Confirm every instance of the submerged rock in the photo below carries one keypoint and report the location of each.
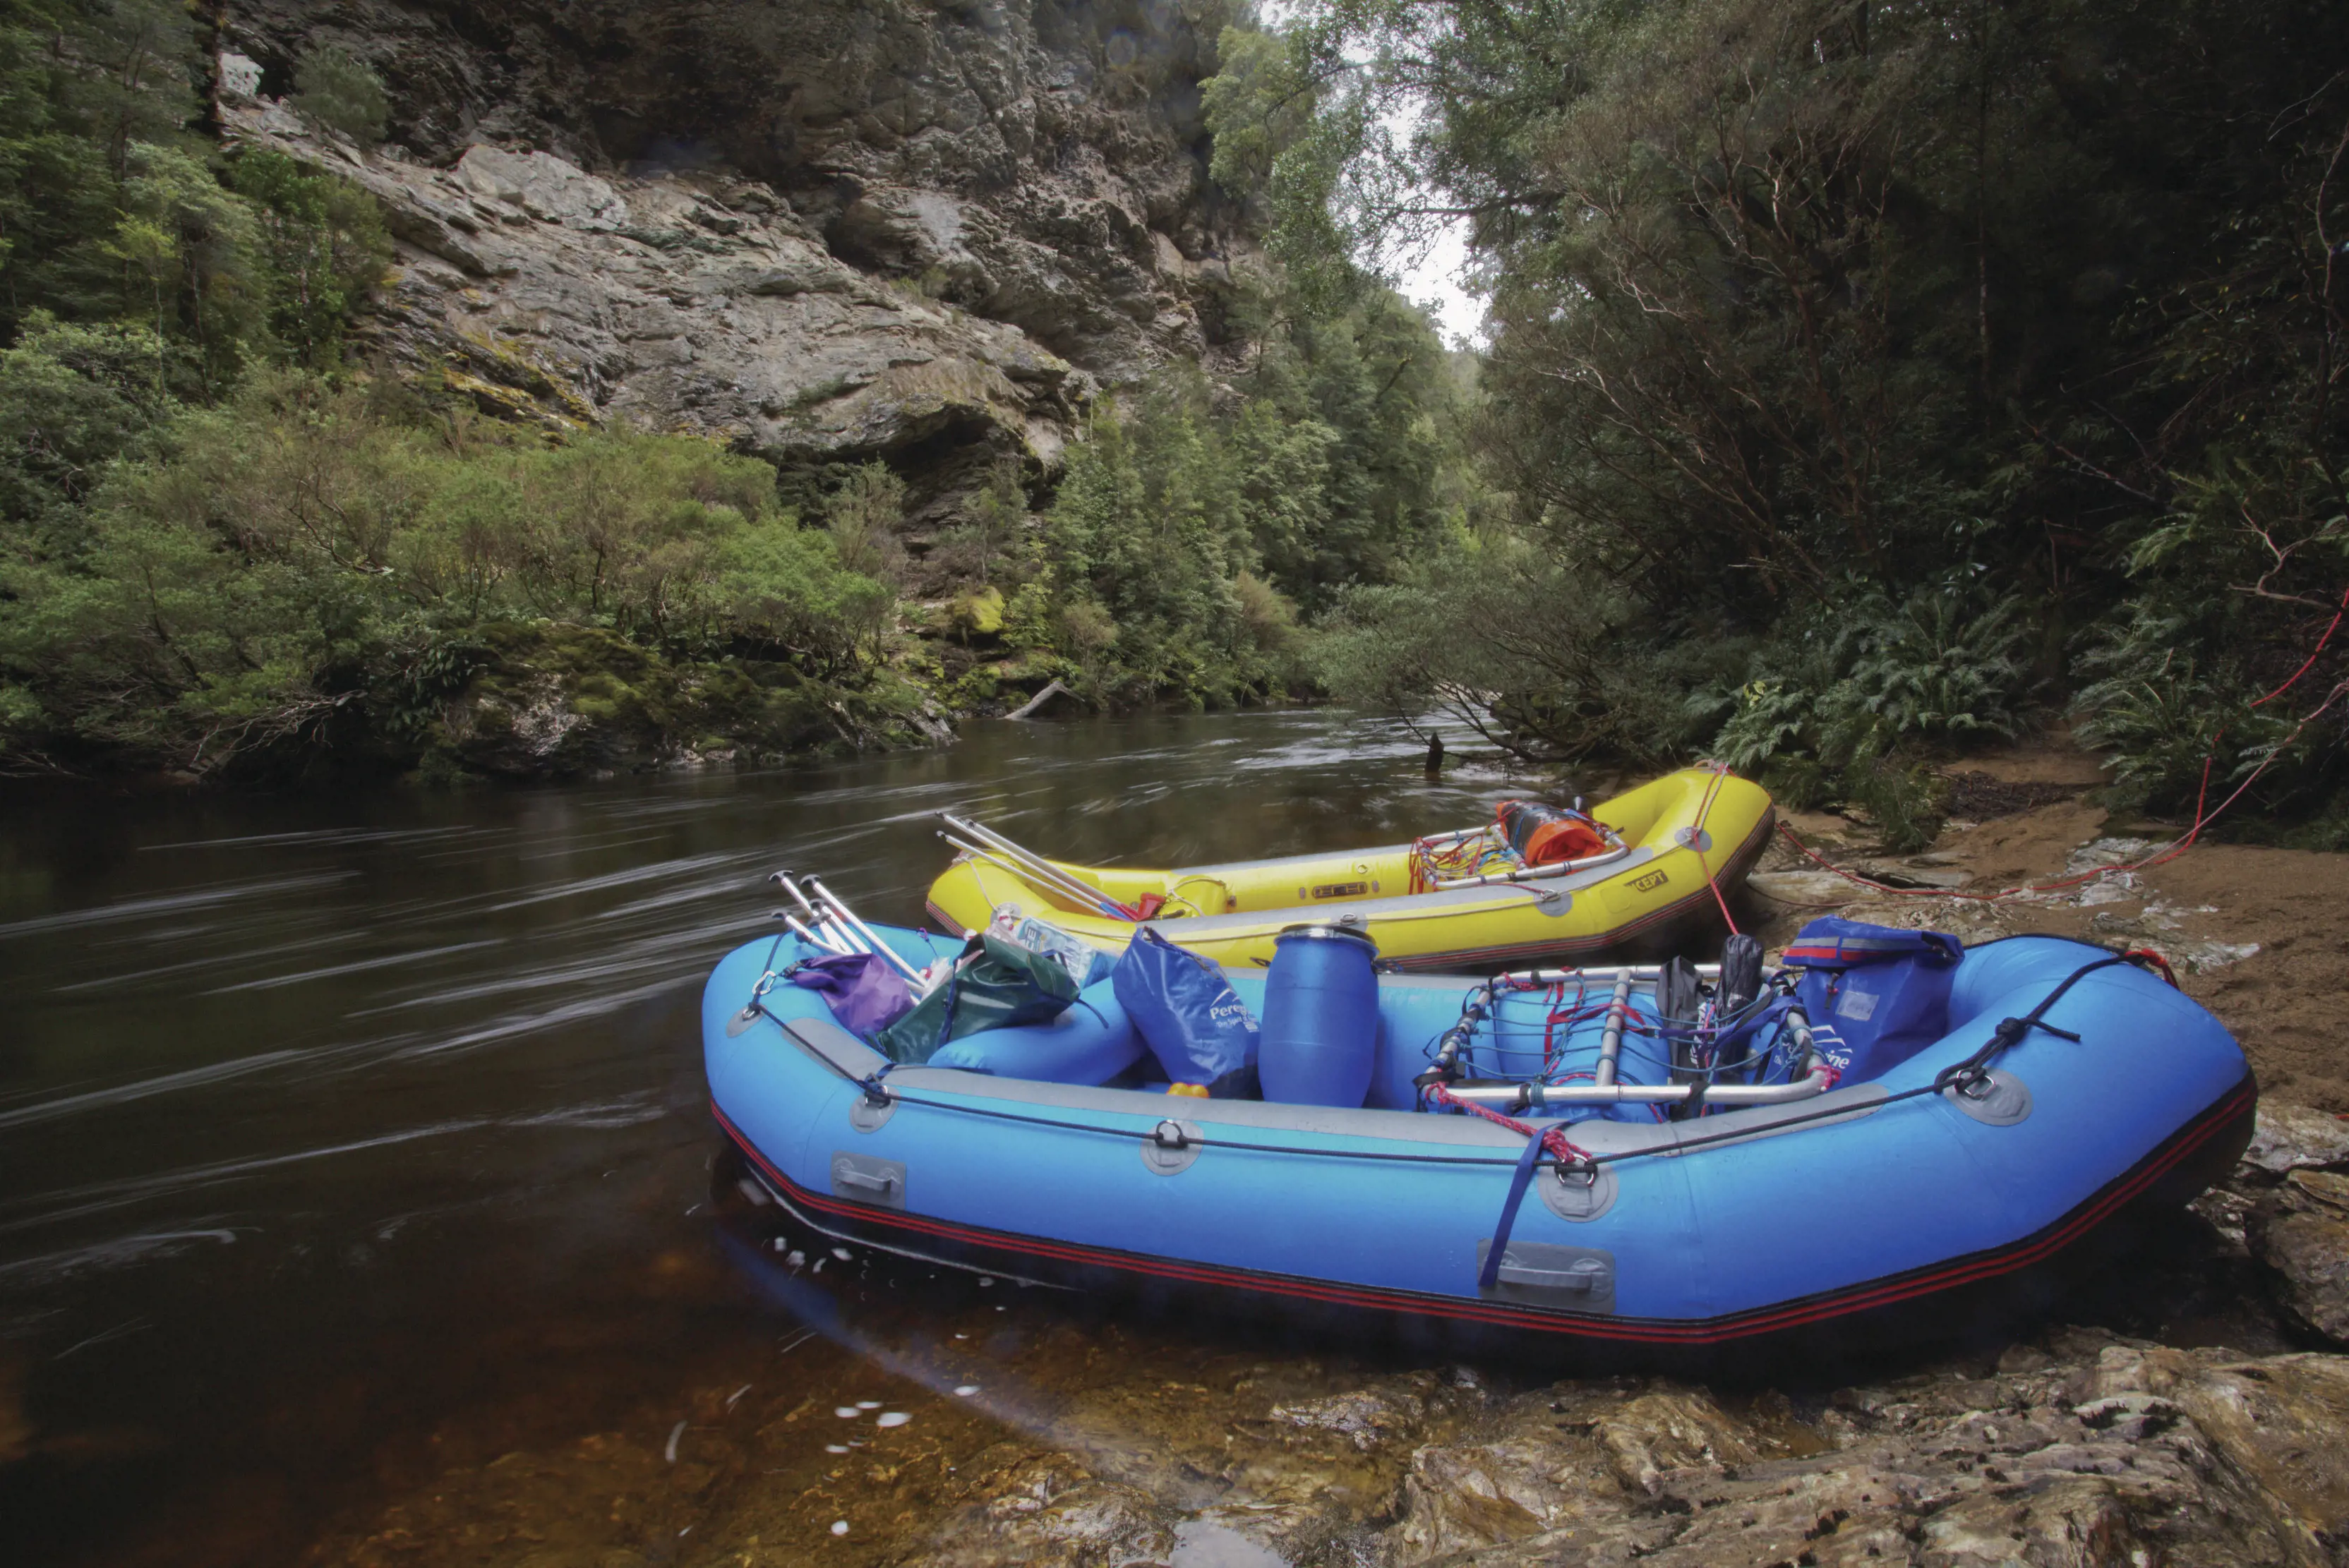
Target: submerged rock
(1049, 1510)
(2082, 1447)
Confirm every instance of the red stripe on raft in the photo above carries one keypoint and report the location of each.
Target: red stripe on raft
(1843, 1302)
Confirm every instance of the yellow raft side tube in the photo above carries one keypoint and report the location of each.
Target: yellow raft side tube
(1675, 831)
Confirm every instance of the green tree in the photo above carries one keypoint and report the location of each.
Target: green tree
(865, 514)
(283, 568)
(324, 246)
(342, 92)
(72, 399)
(1795, 308)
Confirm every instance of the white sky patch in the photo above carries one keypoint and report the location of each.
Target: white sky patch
(1435, 272)
(1439, 280)
(1438, 276)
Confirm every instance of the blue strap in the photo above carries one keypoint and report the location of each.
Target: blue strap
(1519, 1181)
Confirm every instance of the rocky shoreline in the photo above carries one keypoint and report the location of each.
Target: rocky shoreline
(2184, 1407)
(978, 1425)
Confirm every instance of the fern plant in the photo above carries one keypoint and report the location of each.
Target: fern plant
(1941, 666)
(1832, 712)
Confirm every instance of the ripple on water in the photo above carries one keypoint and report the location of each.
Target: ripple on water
(382, 1114)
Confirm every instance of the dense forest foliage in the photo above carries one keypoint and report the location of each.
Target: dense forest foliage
(1863, 381)
(231, 546)
(1863, 378)
(1197, 525)
(224, 546)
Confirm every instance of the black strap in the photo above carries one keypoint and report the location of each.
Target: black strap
(2010, 1032)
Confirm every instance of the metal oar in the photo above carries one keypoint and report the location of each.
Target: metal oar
(848, 917)
(1036, 867)
(837, 927)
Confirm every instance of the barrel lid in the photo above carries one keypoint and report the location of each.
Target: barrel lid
(1322, 931)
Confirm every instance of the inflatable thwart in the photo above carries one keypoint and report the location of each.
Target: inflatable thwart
(1892, 1137)
(1539, 882)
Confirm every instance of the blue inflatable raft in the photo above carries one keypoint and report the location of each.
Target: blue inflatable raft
(1563, 1155)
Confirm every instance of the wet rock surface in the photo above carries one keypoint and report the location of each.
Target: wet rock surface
(1089, 1443)
(2179, 1413)
(2302, 1231)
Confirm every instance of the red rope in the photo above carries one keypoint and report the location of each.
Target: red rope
(1552, 1138)
(2312, 654)
(2167, 853)
(1704, 808)
(2148, 955)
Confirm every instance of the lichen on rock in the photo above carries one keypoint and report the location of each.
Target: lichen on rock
(825, 232)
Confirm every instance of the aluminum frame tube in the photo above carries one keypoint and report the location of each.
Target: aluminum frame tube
(1610, 1039)
(1641, 974)
(1534, 1097)
(1538, 874)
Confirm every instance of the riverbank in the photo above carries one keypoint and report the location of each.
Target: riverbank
(2256, 935)
(2185, 1408)
(397, 1245)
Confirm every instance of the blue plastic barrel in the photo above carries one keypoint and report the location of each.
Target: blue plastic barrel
(1320, 1031)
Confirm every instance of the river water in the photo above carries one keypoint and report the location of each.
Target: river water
(348, 1143)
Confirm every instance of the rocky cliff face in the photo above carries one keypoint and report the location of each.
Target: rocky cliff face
(827, 230)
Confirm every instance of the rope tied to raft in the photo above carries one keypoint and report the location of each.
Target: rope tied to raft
(2166, 853)
(1564, 1150)
(1967, 1077)
(1565, 1156)
(1696, 842)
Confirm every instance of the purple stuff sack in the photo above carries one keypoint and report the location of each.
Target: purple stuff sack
(864, 994)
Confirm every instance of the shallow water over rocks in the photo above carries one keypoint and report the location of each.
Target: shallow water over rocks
(358, 1203)
(344, 1141)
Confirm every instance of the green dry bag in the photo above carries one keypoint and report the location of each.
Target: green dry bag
(995, 985)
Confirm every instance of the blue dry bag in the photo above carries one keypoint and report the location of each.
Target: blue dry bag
(1187, 1015)
(1875, 995)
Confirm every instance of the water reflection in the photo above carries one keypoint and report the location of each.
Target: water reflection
(344, 1142)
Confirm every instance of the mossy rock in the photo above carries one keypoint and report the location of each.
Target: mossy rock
(556, 699)
(976, 612)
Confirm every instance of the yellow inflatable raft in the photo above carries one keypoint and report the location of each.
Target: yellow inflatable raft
(1657, 855)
